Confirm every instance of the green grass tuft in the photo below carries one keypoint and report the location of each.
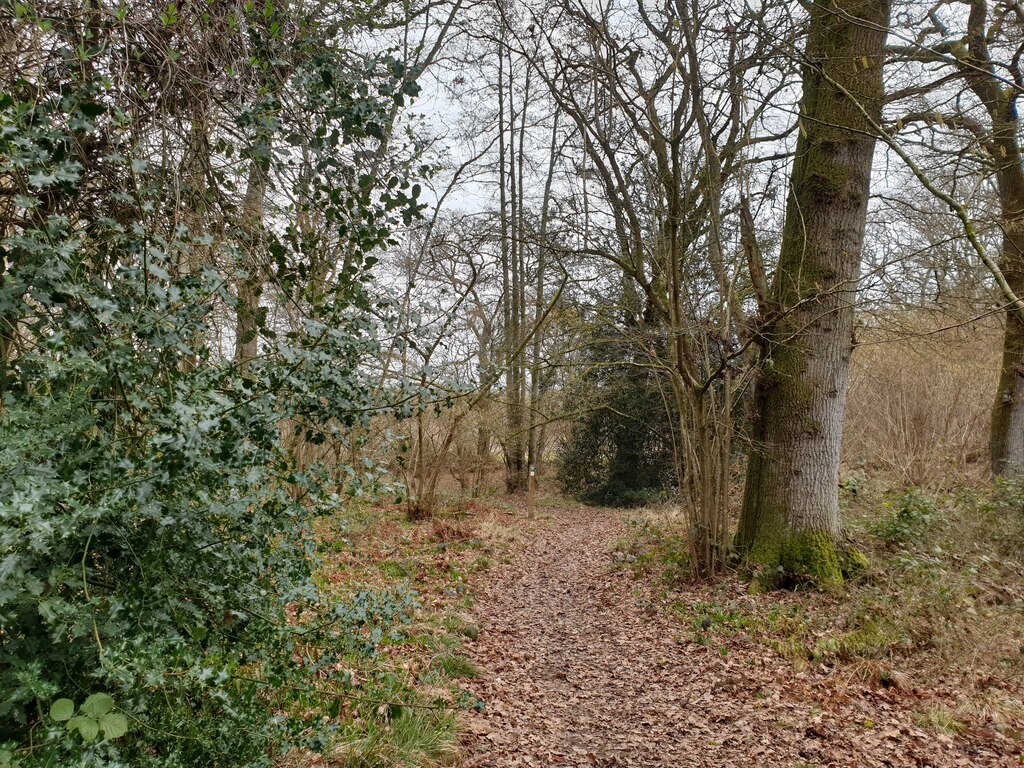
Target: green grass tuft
(454, 666)
(422, 738)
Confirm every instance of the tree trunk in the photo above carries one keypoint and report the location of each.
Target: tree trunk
(516, 476)
(790, 522)
(250, 284)
(1000, 142)
(1006, 444)
(482, 461)
(534, 442)
(513, 444)
(1006, 440)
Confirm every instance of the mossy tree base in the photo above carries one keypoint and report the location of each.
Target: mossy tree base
(805, 559)
(790, 525)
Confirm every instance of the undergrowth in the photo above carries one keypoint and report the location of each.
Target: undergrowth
(654, 545)
(416, 738)
(941, 607)
(398, 705)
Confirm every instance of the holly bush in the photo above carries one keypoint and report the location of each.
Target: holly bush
(620, 451)
(156, 600)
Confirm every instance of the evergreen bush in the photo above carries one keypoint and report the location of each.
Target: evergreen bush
(156, 597)
(619, 452)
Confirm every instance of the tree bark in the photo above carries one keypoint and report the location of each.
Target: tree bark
(534, 441)
(1006, 442)
(250, 284)
(790, 521)
(516, 477)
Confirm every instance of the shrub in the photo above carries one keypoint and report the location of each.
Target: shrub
(156, 601)
(912, 512)
(620, 451)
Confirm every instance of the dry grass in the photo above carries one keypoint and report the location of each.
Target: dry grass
(918, 405)
(940, 720)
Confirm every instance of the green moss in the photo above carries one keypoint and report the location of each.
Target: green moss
(813, 555)
(812, 427)
(809, 558)
(759, 585)
(766, 548)
(826, 177)
(766, 554)
(853, 562)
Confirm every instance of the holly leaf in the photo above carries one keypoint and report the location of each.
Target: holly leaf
(41, 179)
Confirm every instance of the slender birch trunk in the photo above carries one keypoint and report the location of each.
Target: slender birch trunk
(250, 284)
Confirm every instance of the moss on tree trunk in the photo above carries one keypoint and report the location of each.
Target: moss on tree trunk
(790, 523)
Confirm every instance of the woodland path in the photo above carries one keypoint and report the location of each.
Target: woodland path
(580, 670)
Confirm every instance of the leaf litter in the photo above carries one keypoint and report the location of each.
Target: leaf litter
(581, 668)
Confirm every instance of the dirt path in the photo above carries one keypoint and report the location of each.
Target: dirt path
(579, 672)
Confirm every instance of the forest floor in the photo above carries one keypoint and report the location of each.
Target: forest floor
(582, 663)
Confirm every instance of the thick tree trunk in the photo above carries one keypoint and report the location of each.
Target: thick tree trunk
(1006, 440)
(790, 520)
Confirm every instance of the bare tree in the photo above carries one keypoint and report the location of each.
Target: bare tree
(790, 520)
(658, 135)
(978, 48)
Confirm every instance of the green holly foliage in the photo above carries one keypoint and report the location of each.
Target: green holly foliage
(155, 545)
